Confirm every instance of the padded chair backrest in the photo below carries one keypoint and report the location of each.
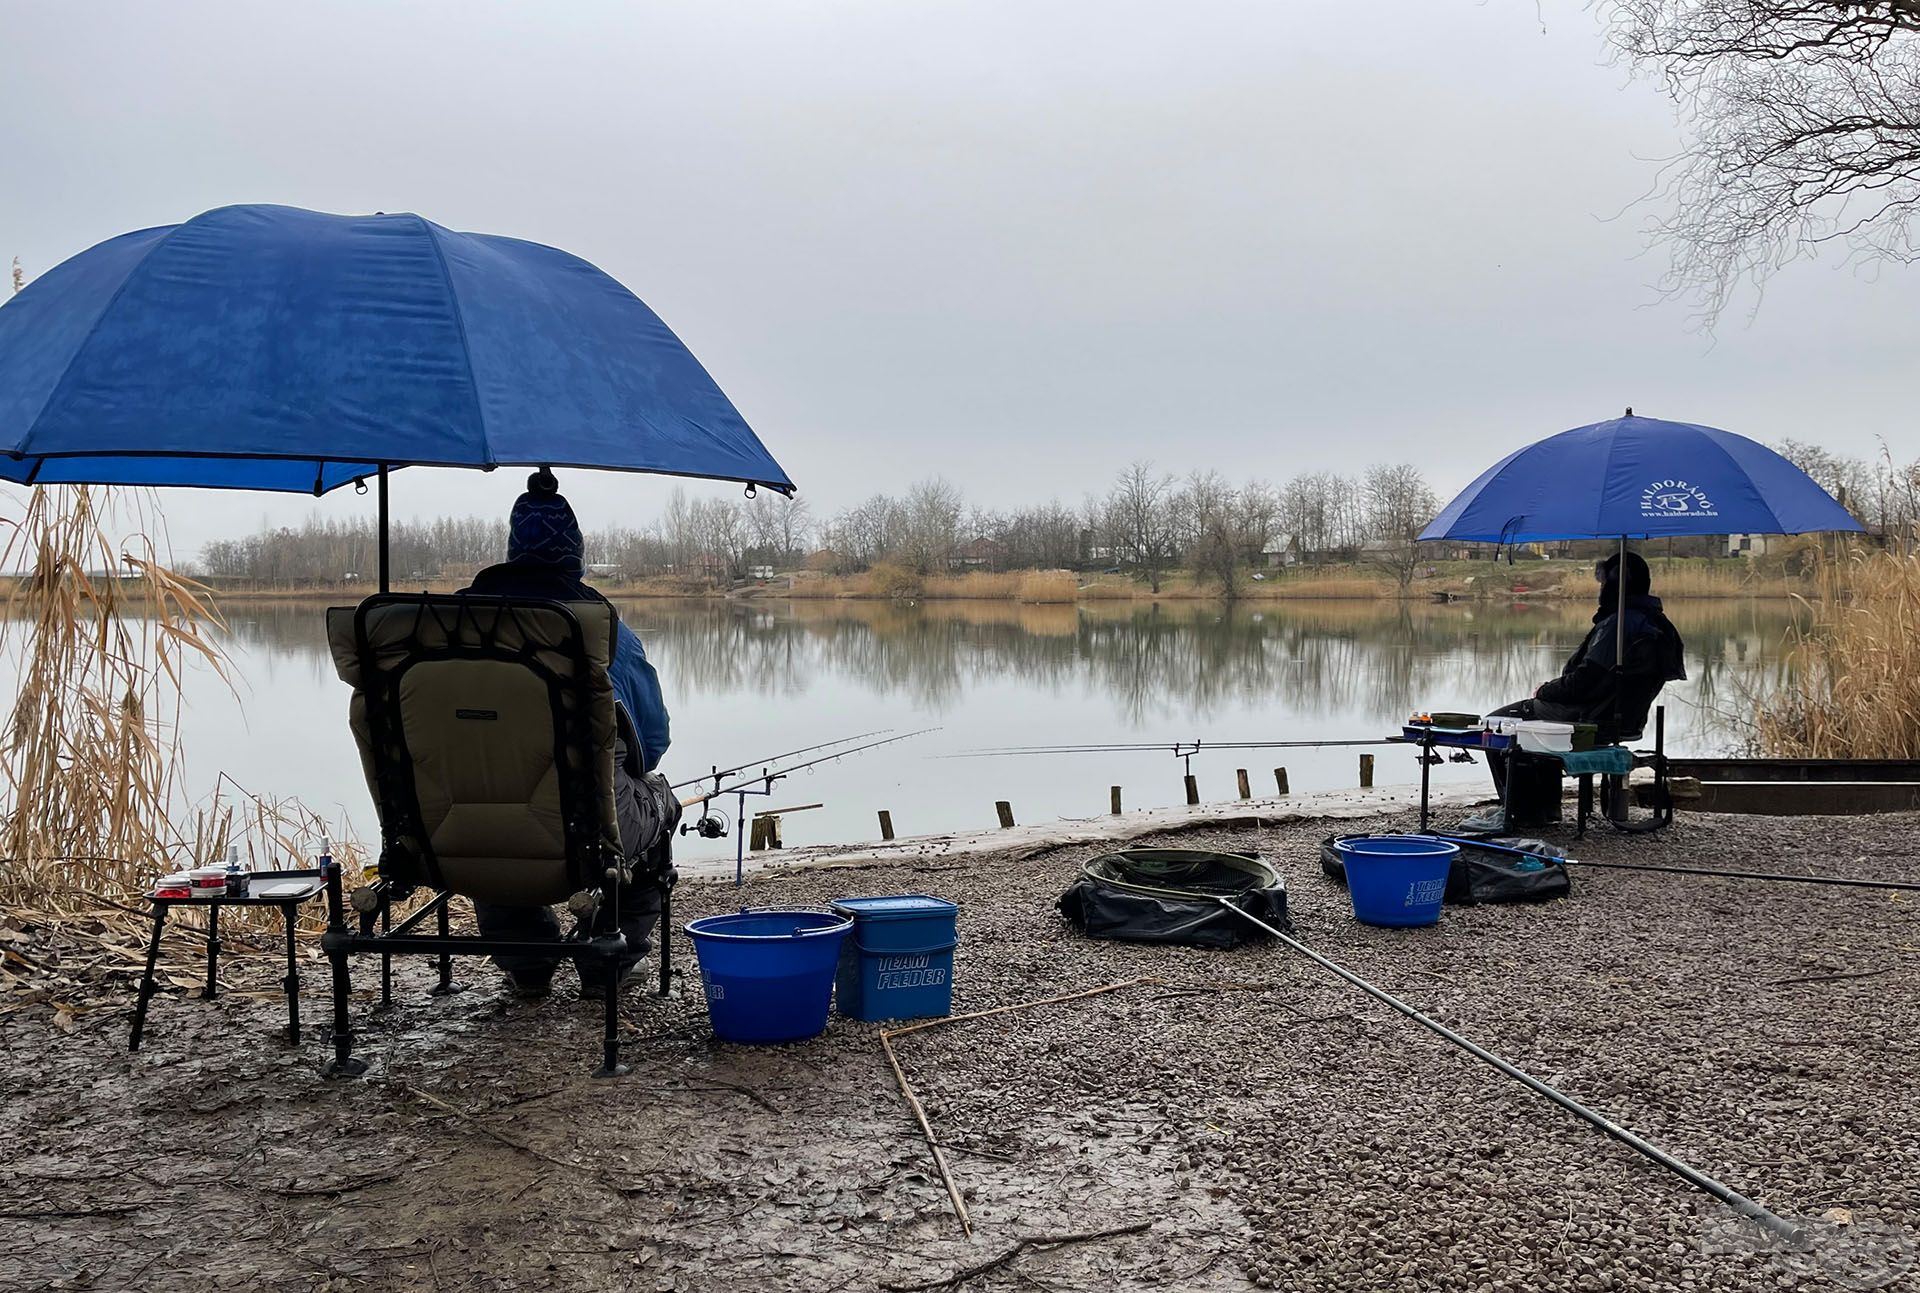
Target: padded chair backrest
(486, 728)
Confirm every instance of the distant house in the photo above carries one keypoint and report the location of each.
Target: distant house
(980, 554)
(611, 571)
(760, 572)
(1753, 545)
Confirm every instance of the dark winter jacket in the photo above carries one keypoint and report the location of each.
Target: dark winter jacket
(1619, 698)
(544, 549)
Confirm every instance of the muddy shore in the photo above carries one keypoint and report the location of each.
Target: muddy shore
(1269, 1125)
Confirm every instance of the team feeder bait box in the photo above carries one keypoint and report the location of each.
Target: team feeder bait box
(898, 961)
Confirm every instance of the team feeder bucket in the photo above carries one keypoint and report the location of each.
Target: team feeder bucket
(1396, 880)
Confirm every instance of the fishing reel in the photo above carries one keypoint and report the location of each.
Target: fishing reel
(708, 826)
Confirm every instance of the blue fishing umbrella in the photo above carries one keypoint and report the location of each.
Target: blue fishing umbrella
(1638, 478)
(267, 347)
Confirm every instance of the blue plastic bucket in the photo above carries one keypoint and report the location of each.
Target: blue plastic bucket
(1396, 880)
(768, 974)
(899, 962)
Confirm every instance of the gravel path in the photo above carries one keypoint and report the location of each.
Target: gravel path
(1276, 1128)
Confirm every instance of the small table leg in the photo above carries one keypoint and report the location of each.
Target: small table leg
(292, 981)
(212, 989)
(146, 979)
(1586, 806)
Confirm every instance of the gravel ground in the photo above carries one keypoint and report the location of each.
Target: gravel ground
(1275, 1127)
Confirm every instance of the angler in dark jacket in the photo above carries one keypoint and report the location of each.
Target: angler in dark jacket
(1615, 694)
(545, 559)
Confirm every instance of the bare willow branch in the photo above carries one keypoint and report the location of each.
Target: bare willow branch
(1804, 118)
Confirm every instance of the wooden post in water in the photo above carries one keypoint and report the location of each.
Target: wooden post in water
(886, 824)
(1114, 795)
(1366, 772)
(758, 839)
(1005, 810)
(1246, 790)
(1280, 779)
(773, 831)
(1193, 789)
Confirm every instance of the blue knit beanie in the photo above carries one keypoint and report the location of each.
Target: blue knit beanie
(543, 529)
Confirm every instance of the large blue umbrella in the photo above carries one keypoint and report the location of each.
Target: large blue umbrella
(1638, 478)
(266, 347)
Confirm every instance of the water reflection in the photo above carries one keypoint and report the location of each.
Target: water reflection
(750, 677)
(1179, 668)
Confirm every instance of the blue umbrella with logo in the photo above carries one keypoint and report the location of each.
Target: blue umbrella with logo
(1638, 478)
(267, 347)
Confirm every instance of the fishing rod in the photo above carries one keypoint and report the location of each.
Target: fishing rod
(1179, 749)
(1740, 1203)
(1781, 876)
(766, 777)
(711, 826)
(717, 773)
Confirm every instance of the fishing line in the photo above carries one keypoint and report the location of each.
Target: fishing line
(1784, 877)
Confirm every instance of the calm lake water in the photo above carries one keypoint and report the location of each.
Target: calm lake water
(746, 679)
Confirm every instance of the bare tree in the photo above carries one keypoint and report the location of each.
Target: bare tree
(1398, 506)
(1140, 521)
(780, 524)
(930, 526)
(1805, 122)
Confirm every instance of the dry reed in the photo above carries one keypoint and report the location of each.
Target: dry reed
(101, 636)
(1853, 675)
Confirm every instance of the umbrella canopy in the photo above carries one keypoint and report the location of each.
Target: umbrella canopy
(266, 347)
(1638, 478)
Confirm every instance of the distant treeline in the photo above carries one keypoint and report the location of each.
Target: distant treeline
(1146, 523)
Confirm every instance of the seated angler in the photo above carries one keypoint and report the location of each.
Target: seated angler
(1601, 684)
(545, 559)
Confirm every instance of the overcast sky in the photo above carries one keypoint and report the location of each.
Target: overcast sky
(1014, 242)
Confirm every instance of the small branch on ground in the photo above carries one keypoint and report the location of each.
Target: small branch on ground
(966, 1273)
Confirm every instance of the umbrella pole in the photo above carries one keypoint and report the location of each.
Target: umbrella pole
(1619, 623)
(383, 530)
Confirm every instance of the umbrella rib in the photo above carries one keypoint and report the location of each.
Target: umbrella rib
(460, 323)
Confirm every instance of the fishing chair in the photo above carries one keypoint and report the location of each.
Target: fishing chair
(487, 729)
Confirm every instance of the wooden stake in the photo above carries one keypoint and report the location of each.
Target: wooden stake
(757, 842)
(1114, 795)
(1193, 789)
(1280, 779)
(1246, 789)
(886, 824)
(1366, 772)
(773, 830)
(1005, 810)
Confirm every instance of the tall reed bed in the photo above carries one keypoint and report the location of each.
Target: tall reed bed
(1853, 675)
(100, 638)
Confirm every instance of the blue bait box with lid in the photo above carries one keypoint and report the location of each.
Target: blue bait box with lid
(898, 961)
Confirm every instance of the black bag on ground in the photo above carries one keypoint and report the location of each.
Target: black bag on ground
(1482, 873)
(1171, 896)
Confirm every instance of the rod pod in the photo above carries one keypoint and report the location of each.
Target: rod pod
(1740, 1203)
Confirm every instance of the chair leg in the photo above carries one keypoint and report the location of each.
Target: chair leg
(386, 958)
(344, 1063)
(610, 1065)
(446, 986)
(666, 939)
